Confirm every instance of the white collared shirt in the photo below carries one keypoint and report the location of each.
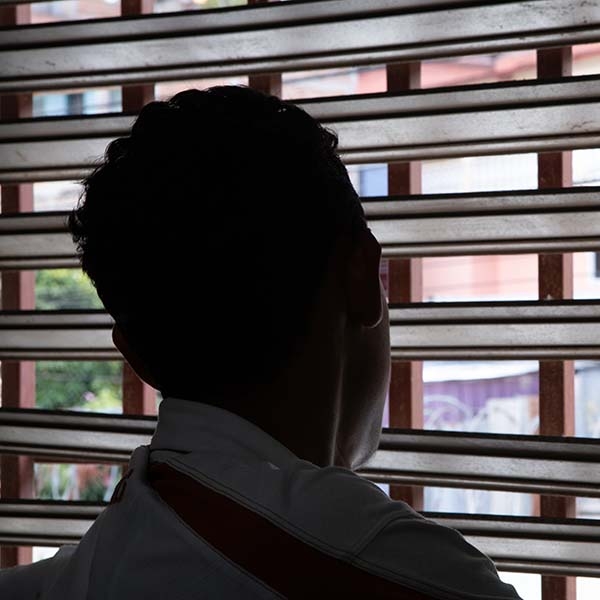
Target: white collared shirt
(140, 548)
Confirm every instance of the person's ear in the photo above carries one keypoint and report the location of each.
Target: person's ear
(363, 286)
(132, 357)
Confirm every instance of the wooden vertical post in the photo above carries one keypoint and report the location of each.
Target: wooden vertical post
(138, 397)
(268, 83)
(405, 277)
(18, 293)
(555, 279)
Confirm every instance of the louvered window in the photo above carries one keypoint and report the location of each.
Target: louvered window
(471, 130)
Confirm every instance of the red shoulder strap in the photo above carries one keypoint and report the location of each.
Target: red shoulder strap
(291, 566)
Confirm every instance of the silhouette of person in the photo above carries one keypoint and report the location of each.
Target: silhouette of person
(225, 238)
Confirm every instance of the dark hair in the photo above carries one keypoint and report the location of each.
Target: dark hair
(207, 229)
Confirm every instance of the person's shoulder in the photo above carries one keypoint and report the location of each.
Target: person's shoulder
(356, 520)
(31, 581)
(331, 507)
(341, 507)
(23, 582)
(332, 513)
(437, 557)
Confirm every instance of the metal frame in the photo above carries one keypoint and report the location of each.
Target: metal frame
(404, 125)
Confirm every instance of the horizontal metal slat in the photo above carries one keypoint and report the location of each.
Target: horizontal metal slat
(339, 108)
(471, 120)
(45, 523)
(207, 20)
(514, 463)
(532, 545)
(455, 224)
(36, 241)
(10, 2)
(566, 546)
(71, 436)
(489, 119)
(48, 335)
(469, 331)
(437, 225)
(528, 464)
(281, 38)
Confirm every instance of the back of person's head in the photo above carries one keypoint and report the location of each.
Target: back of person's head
(207, 231)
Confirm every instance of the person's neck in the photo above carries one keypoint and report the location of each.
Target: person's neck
(300, 407)
(300, 411)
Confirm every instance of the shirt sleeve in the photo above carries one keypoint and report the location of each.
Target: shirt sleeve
(434, 559)
(29, 582)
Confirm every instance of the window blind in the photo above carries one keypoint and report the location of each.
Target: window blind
(551, 115)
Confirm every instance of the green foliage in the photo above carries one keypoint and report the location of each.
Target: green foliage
(91, 483)
(94, 491)
(79, 384)
(64, 288)
(74, 384)
(53, 480)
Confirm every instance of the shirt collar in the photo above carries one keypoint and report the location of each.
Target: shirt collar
(188, 426)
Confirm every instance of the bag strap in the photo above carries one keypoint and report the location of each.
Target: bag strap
(289, 565)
